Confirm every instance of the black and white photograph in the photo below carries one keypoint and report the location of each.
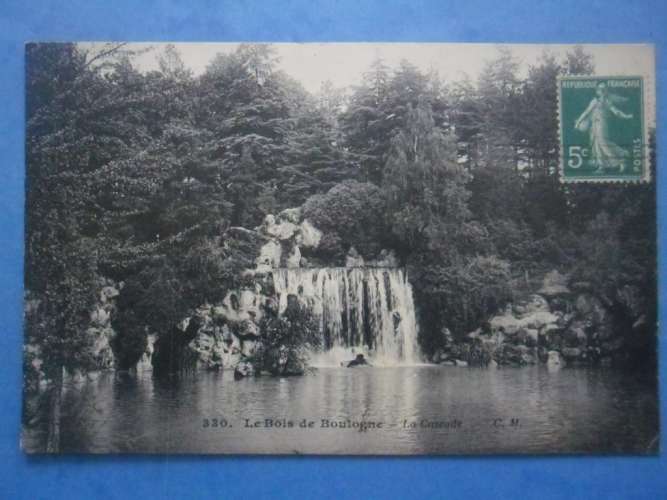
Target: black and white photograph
(340, 249)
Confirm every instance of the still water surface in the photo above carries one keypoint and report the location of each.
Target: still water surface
(454, 410)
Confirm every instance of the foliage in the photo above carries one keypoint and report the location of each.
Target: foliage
(379, 107)
(156, 179)
(287, 339)
(61, 254)
(351, 214)
(459, 297)
(315, 159)
(424, 183)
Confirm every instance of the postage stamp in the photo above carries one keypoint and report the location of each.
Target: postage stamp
(602, 129)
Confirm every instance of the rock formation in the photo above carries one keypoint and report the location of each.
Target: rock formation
(561, 326)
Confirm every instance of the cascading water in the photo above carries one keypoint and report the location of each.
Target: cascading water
(366, 311)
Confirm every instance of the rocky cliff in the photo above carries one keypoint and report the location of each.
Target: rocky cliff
(560, 325)
(226, 333)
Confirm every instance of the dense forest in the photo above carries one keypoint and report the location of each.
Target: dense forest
(145, 177)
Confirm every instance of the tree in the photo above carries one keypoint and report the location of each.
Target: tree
(467, 122)
(367, 123)
(578, 62)
(379, 107)
(288, 339)
(61, 274)
(351, 214)
(424, 182)
(315, 159)
(171, 65)
(330, 102)
(245, 109)
(499, 90)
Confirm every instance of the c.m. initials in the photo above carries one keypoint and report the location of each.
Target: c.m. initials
(500, 422)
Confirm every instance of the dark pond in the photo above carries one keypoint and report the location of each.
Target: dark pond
(453, 409)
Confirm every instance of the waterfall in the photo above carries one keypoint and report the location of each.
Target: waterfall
(366, 311)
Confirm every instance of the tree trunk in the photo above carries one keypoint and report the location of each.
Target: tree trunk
(55, 405)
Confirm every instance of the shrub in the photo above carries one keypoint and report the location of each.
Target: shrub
(287, 339)
(353, 213)
(459, 297)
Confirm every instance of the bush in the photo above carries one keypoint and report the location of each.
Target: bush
(129, 343)
(459, 297)
(287, 340)
(353, 213)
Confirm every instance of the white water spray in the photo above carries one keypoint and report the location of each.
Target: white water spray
(366, 311)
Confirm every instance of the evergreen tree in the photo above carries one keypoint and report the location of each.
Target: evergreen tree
(368, 122)
(67, 144)
(424, 182)
(243, 106)
(315, 159)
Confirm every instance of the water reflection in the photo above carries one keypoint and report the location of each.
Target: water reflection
(570, 410)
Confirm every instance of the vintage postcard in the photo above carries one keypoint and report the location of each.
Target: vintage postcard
(384, 249)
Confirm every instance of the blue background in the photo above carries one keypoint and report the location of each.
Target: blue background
(297, 21)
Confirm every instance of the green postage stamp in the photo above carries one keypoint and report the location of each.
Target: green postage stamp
(602, 129)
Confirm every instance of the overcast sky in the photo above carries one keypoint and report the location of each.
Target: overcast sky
(344, 63)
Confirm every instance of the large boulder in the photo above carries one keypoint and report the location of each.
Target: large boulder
(294, 258)
(440, 356)
(281, 230)
(210, 348)
(550, 329)
(535, 303)
(227, 332)
(506, 323)
(282, 363)
(100, 330)
(447, 337)
(553, 338)
(533, 316)
(145, 363)
(575, 335)
(582, 287)
(100, 316)
(292, 215)
(240, 305)
(539, 319)
(554, 285)
(243, 369)
(532, 335)
(354, 259)
(269, 256)
(520, 336)
(309, 236)
(554, 359)
(492, 341)
(591, 308)
(110, 291)
(571, 353)
(232, 352)
(528, 359)
(285, 236)
(101, 346)
(508, 354)
(386, 258)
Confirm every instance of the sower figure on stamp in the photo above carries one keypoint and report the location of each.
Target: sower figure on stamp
(595, 119)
